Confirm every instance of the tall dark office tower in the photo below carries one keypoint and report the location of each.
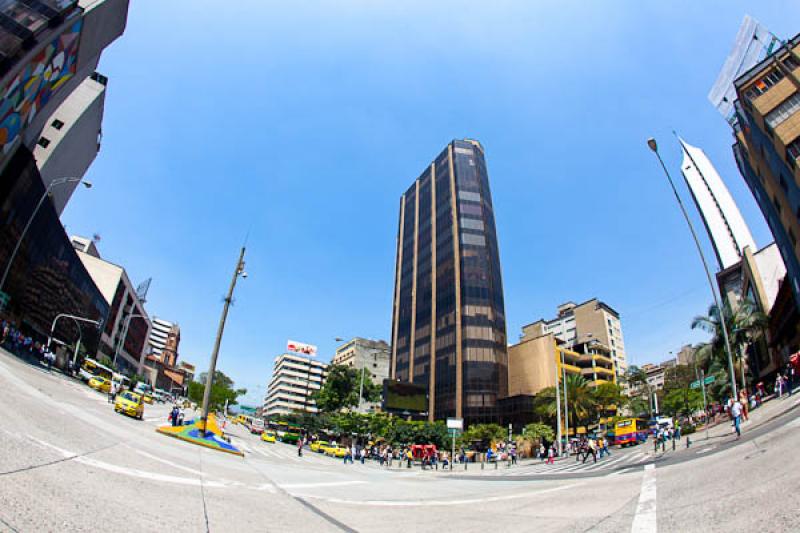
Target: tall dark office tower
(448, 324)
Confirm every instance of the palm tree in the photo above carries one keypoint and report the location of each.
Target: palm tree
(580, 400)
(746, 325)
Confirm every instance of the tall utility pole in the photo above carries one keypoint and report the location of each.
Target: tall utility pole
(238, 271)
(651, 142)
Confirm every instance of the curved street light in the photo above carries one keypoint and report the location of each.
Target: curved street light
(54, 183)
(651, 142)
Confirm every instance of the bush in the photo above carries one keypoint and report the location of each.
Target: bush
(688, 429)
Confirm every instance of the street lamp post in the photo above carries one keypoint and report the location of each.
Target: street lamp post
(238, 271)
(651, 142)
(59, 181)
(77, 320)
(558, 405)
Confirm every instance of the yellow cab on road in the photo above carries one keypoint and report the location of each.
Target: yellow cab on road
(318, 445)
(148, 398)
(334, 450)
(269, 436)
(101, 384)
(129, 403)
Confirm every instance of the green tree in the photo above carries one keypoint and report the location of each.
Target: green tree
(221, 390)
(340, 390)
(536, 431)
(745, 324)
(486, 433)
(641, 391)
(684, 402)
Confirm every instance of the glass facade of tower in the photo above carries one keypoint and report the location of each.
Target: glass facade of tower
(448, 326)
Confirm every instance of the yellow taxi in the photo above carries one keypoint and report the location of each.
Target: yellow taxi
(269, 436)
(100, 383)
(334, 450)
(317, 445)
(129, 403)
(148, 398)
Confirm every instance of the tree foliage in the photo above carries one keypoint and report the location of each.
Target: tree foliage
(221, 390)
(340, 390)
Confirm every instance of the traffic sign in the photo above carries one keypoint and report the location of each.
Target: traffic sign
(696, 384)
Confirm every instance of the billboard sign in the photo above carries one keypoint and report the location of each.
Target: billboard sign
(399, 396)
(301, 348)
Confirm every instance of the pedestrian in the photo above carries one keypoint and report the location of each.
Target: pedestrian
(409, 457)
(678, 433)
(348, 456)
(363, 454)
(744, 402)
(551, 453)
(300, 447)
(112, 392)
(790, 371)
(736, 415)
(445, 461)
(778, 386)
(513, 453)
(542, 452)
(181, 415)
(173, 415)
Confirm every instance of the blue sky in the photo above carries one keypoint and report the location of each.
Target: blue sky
(303, 124)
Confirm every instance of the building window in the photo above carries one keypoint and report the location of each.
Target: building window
(57, 124)
(793, 151)
(780, 114)
(43, 142)
(790, 63)
(764, 84)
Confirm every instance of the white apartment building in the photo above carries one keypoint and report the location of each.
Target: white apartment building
(294, 379)
(580, 323)
(371, 355)
(158, 335)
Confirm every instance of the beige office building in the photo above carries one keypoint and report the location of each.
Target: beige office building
(578, 324)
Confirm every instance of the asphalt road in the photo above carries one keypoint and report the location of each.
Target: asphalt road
(69, 463)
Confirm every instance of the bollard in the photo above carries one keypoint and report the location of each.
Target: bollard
(688, 442)
(465, 465)
(495, 465)
(482, 465)
(673, 444)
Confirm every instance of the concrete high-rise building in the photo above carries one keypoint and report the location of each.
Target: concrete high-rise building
(372, 356)
(580, 323)
(542, 361)
(294, 379)
(448, 321)
(726, 228)
(70, 141)
(126, 314)
(63, 40)
(767, 151)
(160, 335)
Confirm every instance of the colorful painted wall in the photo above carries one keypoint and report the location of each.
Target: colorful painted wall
(28, 92)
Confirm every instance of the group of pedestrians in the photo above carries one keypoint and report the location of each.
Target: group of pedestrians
(15, 341)
(784, 382)
(176, 415)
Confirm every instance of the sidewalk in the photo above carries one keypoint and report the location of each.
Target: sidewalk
(723, 428)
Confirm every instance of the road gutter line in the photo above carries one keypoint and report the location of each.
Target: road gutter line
(645, 520)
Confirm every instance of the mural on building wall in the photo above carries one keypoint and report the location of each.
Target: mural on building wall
(31, 89)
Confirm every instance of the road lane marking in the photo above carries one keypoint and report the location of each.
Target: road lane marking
(287, 486)
(645, 520)
(167, 462)
(440, 503)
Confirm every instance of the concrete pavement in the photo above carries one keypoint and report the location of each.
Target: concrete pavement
(69, 463)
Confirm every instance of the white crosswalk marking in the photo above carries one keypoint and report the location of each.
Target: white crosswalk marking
(565, 466)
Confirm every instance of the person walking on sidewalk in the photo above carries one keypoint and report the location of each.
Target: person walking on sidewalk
(736, 415)
(778, 386)
(789, 378)
(551, 454)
